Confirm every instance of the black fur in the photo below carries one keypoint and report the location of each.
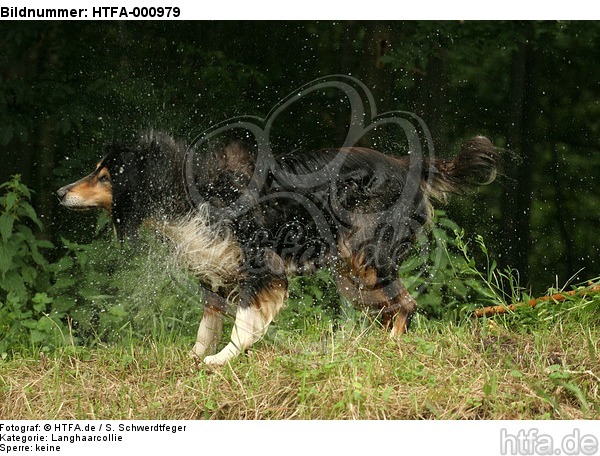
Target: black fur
(147, 182)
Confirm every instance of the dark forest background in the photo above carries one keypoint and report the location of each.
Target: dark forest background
(532, 87)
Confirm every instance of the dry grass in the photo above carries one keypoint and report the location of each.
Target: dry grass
(473, 371)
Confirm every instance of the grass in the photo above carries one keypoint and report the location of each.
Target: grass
(534, 364)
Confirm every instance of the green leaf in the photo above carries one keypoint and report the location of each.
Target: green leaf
(6, 256)
(40, 301)
(117, 311)
(31, 214)
(38, 336)
(13, 282)
(29, 275)
(21, 188)
(10, 201)
(45, 244)
(63, 283)
(556, 372)
(37, 256)
(516, 373)
(6, 226)
(63, 264)
(63, 305)
(387, 393)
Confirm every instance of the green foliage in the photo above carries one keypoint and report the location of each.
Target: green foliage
(112, 292)
(499, 287)
(24, 305)
(441, 275)
(313, 303)
(97, 292)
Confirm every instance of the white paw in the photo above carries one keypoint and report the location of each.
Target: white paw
(225, 355)
(214, 360)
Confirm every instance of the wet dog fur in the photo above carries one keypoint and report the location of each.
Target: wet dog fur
(241, 223)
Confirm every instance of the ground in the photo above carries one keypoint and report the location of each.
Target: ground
(479, 369)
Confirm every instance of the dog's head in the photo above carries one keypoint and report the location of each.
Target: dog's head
(92, 191)
(115, 186)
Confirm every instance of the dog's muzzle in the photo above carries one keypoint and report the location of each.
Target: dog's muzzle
(61, 192)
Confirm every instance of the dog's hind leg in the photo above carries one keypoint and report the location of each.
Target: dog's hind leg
(379, 290)
(251, 321)
(211, 325)
(401, 307)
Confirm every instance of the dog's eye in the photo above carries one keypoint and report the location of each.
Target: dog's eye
(104, 179)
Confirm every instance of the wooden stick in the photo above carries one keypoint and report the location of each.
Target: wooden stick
(495, 310)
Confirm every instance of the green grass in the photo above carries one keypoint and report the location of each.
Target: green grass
(540, 363)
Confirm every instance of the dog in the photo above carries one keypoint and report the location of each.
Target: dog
(242, 221)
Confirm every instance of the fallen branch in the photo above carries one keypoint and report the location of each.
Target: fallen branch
(496, 310)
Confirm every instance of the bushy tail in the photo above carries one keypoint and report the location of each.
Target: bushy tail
(475, 165)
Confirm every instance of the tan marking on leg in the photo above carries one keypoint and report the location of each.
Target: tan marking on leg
(359, 284)
(251, 323)
(408, 305)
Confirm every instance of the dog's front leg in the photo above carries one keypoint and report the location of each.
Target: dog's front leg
(252, 320)
(211, 325)
(250, 325)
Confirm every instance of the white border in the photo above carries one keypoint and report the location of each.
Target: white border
(346, 10)
(347, 438)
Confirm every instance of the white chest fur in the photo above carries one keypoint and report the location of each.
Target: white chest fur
(210, 252)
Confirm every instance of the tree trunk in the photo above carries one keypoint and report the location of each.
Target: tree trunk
(518, 194)
(434, 98)
(560, 210)
(376, 74)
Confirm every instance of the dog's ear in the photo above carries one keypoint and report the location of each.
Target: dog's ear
(122, 161)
